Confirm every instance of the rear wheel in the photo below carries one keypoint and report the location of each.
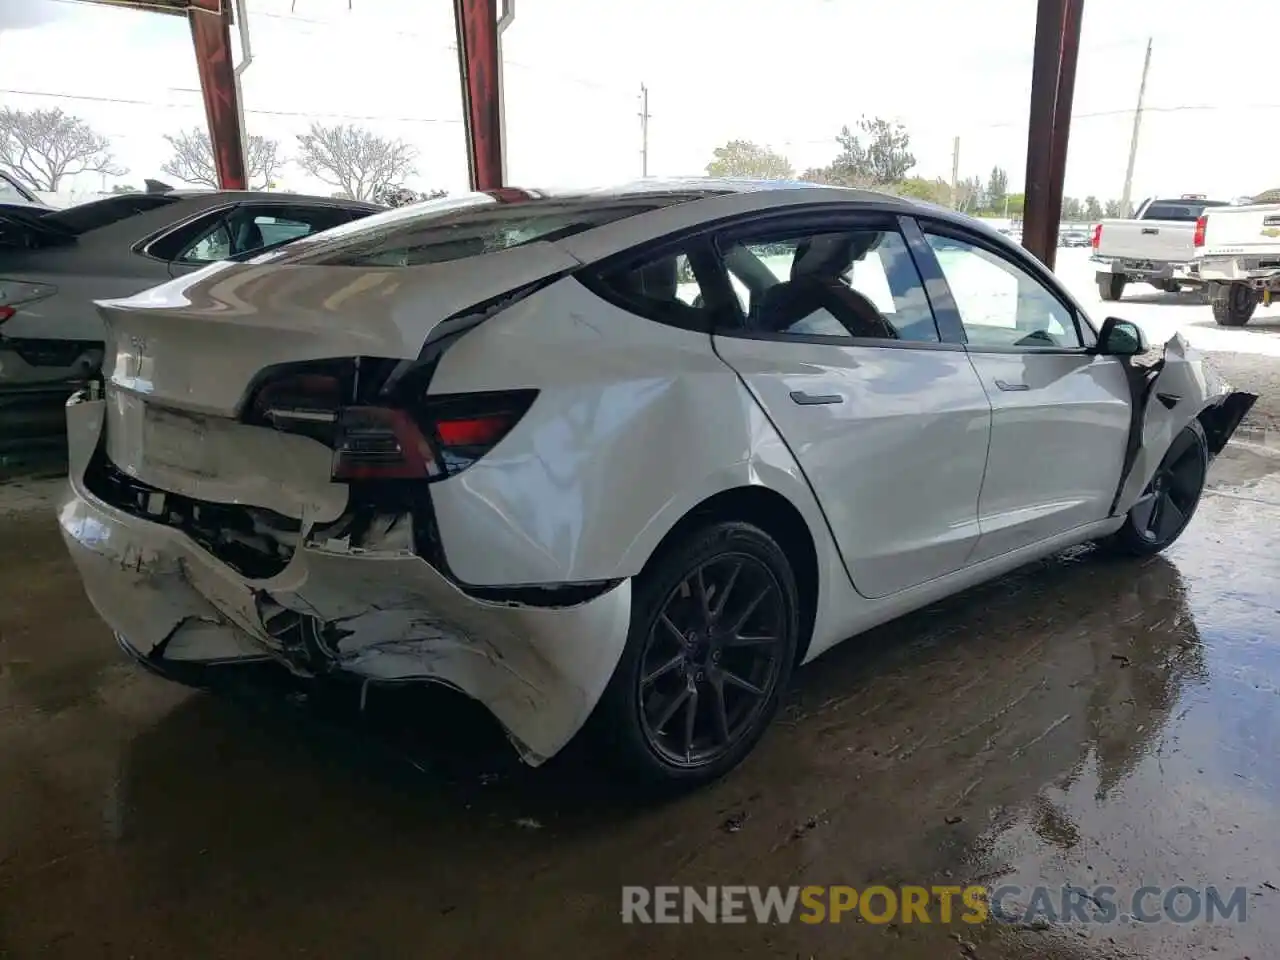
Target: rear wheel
(1165, 508)
(1233, 303)
(714, 632)
(1111, 285)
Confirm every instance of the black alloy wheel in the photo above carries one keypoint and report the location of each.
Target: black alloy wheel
(712, 660)
(715, 627)
(1158, 517)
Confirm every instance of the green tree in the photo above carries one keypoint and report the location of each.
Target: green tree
(124, 188)
(1072, 209)
(1113, 209)
(885, 158)
(922, 188)
(1092, 208)
(997, 190)
(744, 159)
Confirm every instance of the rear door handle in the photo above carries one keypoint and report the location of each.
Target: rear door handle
(1005, 385)
(810, 399)
(1149, 231)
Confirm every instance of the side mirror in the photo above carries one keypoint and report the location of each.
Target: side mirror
(1121, 338)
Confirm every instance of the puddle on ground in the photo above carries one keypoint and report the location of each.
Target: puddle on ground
(1084, 720)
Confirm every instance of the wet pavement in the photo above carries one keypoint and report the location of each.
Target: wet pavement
(1084, 721)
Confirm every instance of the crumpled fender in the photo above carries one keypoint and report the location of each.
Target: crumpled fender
(1170, 388)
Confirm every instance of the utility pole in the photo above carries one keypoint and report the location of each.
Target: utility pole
(644, 130)
(955, 174)
(1133, 144)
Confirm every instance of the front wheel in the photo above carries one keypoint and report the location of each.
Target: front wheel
(1233, 303)
(714, 632)
(1111, 285)
(1165, 508)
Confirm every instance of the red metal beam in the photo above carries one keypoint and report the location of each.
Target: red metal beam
(477, 27)
(211, 35)
(1069, 54)
(1039, 227)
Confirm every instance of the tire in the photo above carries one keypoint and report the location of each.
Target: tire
(628, 724)
(1178, 483)
(1233, 303)
(1111, 286)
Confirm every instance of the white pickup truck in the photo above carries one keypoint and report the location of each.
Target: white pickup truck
(1156, 246)
(1238, 249)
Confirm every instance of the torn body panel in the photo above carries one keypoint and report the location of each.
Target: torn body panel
(380, 612)
(1169, 392)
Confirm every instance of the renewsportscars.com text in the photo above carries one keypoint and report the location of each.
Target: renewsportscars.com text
(1100, 904)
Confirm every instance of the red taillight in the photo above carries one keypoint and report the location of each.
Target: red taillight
(1198, 239)
(6, 313)
(1097, 236)
(382, 443)
(439, 438)
(473, 432)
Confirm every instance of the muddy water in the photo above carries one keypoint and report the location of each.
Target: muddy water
(1083, 721)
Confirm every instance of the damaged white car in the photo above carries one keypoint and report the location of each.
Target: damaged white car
(617, 460)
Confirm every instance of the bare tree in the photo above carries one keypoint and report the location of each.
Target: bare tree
(192, 159)
(354, 159)
(41, 147)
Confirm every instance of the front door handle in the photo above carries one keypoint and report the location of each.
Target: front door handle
(1150, 231)
(810, 399)
(1005, 385)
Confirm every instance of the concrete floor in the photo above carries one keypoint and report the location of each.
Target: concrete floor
(1082, 721)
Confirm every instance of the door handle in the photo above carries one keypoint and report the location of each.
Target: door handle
(1149, 231)
(1005, 385)
(811, 399)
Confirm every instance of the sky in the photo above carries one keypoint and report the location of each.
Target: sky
(784, 73)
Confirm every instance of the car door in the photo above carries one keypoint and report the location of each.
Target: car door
(835, 338)
(246, 229)
(1060, 413)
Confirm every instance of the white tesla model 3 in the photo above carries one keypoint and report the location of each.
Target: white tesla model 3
(617, 460)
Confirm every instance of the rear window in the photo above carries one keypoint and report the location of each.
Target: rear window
(1180, 210)
(439, 231)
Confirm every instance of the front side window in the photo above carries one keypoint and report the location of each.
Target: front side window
(857, 282)
(1000, 303)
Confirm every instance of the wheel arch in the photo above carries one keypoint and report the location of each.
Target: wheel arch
(777, 516)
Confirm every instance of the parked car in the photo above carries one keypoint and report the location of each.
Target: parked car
(1155, 246)
(14, 194)
(1074, 238)
(495, 443)
(1238, 251)
(55, 263)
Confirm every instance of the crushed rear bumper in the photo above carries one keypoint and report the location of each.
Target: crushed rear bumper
(381, 615)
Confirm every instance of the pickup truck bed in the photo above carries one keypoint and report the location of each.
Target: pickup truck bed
(1239, 257)
(1157, 246)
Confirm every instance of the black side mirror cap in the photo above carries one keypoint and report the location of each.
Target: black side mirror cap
(1121, 338)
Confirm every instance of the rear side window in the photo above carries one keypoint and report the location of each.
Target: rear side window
(454, 229)
(664, 288)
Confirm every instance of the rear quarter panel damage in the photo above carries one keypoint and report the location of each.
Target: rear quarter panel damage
(635, 424)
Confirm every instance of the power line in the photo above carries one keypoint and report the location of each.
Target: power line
(188, 106)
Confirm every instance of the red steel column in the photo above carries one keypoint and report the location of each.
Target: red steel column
(477, 26)
(1053, 78)
(211, 34)
(1073, 11)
